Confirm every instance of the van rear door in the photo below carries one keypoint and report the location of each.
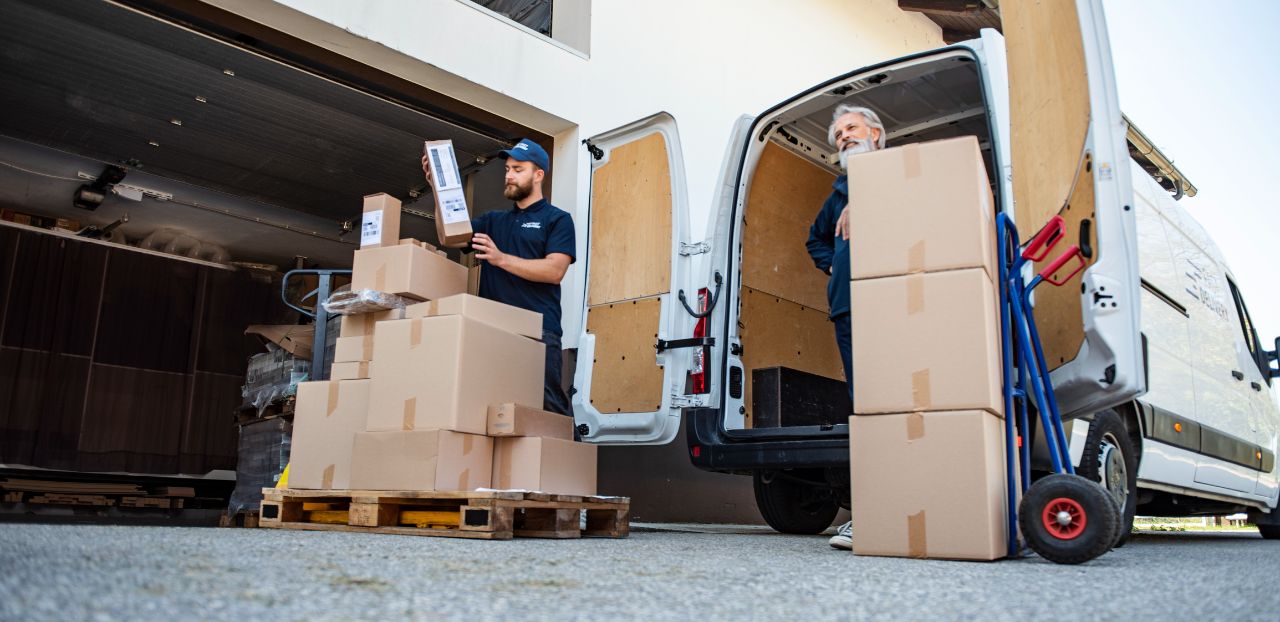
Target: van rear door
(1069, 158)
(631, 366)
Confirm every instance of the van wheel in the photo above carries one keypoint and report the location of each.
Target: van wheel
(1110, 459)
(791, 505)
(1269, 532)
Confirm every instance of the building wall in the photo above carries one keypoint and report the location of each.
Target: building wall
(704, 62)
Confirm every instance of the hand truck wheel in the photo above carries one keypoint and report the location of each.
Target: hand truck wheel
(1068, 519)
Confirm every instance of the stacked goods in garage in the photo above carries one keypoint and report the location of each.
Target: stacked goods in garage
(926, 442)
(437, 397)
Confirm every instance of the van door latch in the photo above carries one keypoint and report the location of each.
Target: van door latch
(694, 342)
(695, 248)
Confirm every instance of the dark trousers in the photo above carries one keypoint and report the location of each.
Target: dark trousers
(553, 397)
(844, 341)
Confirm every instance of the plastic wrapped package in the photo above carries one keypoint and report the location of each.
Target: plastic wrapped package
(352, 302)
(272, 376)
(262, 455)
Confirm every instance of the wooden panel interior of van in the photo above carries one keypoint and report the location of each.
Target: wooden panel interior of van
(631, 223)
(625, 377)
(1059, 312)
(786, 194)
(779, 333)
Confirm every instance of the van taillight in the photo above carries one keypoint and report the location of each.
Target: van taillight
(697, 371)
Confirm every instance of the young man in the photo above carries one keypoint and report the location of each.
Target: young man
(528, 249)
(853, 130)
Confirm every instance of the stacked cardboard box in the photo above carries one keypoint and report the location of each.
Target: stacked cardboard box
(926, 442)
(431, 398)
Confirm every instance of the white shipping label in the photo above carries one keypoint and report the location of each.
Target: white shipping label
(444, 168)
(371, 228)
(453, 206)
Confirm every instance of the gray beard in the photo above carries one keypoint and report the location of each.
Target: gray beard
(859, 146)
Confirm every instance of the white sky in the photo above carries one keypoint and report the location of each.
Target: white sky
(1199, 78)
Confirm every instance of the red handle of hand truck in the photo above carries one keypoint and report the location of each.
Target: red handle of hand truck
(1044, 241)
(1056, 264)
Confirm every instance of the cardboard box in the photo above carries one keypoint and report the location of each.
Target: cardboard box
(519, 420)
(353, 349)
(453, 223)
(473, 280)
(326, 418)
(380, 222)
(926, 342)
(430, 247)
(409, 271)
(443, 372)
(548, 465)
(504, 316)
(921, 207)
(421, 460)
(350, 370)
(928, 485)
(362, 324)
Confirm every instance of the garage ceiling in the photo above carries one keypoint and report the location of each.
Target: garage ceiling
(103, 81)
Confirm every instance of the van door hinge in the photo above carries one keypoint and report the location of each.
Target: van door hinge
(696, 248)
(689, 401)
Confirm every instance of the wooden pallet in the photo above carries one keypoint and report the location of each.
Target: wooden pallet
(487, 515)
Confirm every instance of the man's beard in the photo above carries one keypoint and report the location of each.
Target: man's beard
(516, 192)
(859, 146)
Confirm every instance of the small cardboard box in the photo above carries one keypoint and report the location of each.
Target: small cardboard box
(926, 342)
(504, 316)
(421, 460)
(350, 370)
(453, 223)
(520, 420)
(407, 270)
(362, 324)
(921, 207)
(541, 464)
(353, 349)
(380, 222)
(326, 418)
(928, 485)
(443, 372)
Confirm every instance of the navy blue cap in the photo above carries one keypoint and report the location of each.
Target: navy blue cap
(528, 151)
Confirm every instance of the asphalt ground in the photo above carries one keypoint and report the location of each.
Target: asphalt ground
(107, 572)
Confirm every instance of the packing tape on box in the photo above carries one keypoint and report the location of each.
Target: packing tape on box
(504, 469)
(921, 391)
(332, 405)
(917, 541)
(415, 333)
(326, 480)
(366, 347)
(915, 294)
(410, 413)
(380, 278)
(911, 161)
(467, 444)
(916, 258)
(915, 426)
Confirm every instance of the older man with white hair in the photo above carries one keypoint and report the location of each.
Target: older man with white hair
(853, 130)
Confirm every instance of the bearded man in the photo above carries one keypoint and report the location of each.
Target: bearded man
(528, 249)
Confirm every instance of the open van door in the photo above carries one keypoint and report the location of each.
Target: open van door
(631, 365)
(1070, 158)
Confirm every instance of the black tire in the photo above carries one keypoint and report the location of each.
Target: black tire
(1269, 532)
(1088, 524)
(1111, 460)
(791, 505)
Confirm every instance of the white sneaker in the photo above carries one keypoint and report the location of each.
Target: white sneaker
(843, 538)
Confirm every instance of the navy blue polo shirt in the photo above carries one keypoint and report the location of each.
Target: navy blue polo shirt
(531, 233)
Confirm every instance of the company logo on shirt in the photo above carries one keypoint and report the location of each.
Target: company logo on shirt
(531, 225)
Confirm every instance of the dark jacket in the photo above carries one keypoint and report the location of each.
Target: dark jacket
(831, 251)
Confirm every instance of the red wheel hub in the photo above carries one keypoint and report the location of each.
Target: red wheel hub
(1064, 518)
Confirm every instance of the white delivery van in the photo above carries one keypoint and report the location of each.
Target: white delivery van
(1153, 356)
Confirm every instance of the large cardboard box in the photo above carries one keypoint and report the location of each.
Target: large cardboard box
(421, 460)
(520, 420)
(443, 372)
(326, 418)
(544, 464)
(453, 223)
(409, 271)
(362, 324)
(928, 485)
(353, 349)
(921, 207)
(380, 222)
(350, 370)
(926, 342)
(504, 316)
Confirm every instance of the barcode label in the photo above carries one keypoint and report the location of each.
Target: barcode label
(371, 228)
(453, 206)
(444, 167)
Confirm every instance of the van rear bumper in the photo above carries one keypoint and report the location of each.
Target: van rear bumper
(711, 450)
